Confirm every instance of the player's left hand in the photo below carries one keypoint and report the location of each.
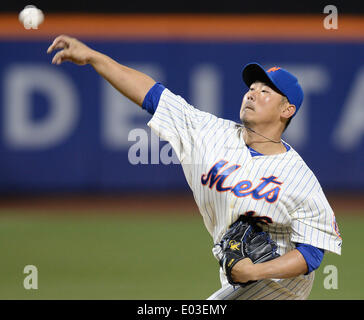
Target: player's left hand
(244, 243)
(243, 271)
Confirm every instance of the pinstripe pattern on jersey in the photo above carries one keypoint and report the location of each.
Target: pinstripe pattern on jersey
(301, 214)
(293, 289)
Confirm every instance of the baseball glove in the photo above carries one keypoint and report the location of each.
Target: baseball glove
(245, 239)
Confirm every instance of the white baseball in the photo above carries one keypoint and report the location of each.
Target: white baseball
(31, 17)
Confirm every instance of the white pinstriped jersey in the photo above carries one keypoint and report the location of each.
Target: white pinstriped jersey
(228, 181)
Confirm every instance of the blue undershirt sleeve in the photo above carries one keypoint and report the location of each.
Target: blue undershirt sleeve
(312, 255)
(151, 99)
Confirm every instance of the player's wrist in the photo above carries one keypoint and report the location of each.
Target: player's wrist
(258, 271)
(93, 57)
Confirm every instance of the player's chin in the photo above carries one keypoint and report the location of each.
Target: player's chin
(245, 117)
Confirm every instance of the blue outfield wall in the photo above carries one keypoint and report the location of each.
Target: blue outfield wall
(64, 128)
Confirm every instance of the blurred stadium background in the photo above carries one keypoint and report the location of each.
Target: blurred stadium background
(75, 202)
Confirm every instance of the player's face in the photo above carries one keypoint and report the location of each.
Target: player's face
(260, 105)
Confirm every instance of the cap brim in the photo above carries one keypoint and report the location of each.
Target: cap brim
(253, 72)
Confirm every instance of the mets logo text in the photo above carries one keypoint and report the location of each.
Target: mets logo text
(217, 175)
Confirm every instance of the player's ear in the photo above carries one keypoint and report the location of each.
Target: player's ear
(288, 110)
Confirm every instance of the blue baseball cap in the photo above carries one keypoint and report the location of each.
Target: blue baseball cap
(278, 78)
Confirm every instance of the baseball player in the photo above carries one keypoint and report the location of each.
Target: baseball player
(238, 170)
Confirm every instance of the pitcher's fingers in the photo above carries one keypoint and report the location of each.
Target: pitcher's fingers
(59, 57)
(53, 44)
(59, 45)
(60, 40)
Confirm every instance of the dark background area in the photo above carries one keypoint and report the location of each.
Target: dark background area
(216, 7)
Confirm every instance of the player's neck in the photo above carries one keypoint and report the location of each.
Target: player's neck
(265, 142)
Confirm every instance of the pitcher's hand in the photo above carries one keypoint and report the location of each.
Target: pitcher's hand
(71, 50)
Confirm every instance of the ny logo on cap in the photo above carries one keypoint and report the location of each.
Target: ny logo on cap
(273, 69)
